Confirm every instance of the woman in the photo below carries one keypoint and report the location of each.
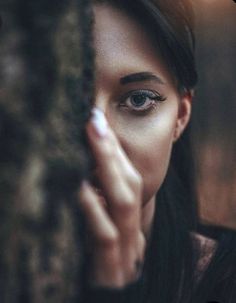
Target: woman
(139, 215)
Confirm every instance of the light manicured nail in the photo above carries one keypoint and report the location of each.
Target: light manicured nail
(84, 186)
(99, 122)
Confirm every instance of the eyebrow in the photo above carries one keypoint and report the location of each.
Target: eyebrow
(139, 77)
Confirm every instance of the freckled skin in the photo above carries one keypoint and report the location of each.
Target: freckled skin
(123, 48)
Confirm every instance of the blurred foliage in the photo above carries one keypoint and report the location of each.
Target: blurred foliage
(46, 88)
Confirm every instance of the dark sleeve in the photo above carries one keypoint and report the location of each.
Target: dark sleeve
(220, 277)
(113, 295)
(224, 292)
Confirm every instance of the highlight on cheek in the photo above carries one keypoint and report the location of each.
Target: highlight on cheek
(140, 101)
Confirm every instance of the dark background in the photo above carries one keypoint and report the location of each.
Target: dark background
(214, 111)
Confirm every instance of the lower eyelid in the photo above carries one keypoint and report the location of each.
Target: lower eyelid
(143, 111)
(151, 105)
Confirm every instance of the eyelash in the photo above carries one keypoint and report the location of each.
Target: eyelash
(153, 96)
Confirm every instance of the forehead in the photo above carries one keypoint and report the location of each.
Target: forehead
(122, 43)
(115, 28)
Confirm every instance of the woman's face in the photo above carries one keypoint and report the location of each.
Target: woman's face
(138, 95)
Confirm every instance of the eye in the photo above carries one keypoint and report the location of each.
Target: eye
(141, 100)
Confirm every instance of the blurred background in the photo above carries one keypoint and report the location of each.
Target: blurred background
(214, 111)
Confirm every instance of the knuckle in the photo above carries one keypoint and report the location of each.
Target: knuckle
(109, 151)
(128, 203)
(139, 178)
(109, 240)
(136, 180)
(133, 269)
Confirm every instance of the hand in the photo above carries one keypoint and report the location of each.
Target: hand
(114, 227)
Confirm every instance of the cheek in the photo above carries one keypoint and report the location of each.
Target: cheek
(148, 145)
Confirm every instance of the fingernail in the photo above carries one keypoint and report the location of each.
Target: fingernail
(99, 122)
(84, 184)
(83, 187)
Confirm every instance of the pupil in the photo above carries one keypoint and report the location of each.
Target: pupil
(138, 100)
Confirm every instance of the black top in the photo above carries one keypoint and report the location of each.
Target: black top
(221, 272)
